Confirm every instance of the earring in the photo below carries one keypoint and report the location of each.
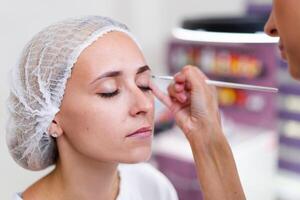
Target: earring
(55, 135)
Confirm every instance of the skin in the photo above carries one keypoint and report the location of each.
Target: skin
(284, 23)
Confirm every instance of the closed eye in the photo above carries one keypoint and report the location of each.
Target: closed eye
(116, 92)
(109, 95)
(145, 88)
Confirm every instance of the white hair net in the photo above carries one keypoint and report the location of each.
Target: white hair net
(38, 82)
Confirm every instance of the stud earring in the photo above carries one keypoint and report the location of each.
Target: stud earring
(55, 135)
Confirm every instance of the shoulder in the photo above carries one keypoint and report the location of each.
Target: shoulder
(148, 180)
(17, 196)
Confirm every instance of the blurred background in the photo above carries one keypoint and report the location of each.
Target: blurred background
(225, 40)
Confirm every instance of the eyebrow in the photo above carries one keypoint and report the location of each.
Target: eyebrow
(119, 73)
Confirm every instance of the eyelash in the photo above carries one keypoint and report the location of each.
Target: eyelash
(112, 94)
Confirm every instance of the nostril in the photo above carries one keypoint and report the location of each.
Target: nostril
(273, 31)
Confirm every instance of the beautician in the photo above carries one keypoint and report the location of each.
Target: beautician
(197, 113)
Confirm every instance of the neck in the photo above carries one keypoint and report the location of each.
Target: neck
(78, 177)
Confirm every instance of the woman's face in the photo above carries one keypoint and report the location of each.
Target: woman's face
(284, 22)
(107, 98)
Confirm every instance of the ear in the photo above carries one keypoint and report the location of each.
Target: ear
(55, 130)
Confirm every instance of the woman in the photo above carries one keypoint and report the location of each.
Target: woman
(88, 122)
(284, 23)
(82, 99)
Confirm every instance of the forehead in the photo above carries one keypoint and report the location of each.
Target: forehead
(113, 51)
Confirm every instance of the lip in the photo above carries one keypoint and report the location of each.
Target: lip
(142, 132)
(282, 50)
(281, 47)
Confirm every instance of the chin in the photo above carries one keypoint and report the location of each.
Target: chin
(295, 71)
(293, 61)
(139, 155)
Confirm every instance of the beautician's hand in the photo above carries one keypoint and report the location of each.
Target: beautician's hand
(194, 104)
(195, 107)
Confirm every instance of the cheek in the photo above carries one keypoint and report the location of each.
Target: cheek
(91, 118)
(286, 16)
(106, 117)
(97, 119)
(93, 125)
(95, 129)
(290, 39)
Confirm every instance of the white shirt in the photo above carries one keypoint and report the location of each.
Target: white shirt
(140, 182)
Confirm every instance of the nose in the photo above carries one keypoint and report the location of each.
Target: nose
(142, 102)
(270, 26)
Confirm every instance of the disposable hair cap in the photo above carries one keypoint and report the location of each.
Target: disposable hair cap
(38, 81)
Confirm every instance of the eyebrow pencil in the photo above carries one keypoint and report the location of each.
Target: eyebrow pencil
(229, 85)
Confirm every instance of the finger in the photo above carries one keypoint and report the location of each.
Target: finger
(179, 78)
(179, 87)
(196, 70)
(193, 76)
(165, 99)
(196, 80)
(179, 96)
(182, 97)
(188, 86)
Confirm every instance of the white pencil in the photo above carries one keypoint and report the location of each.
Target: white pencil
(229, 85)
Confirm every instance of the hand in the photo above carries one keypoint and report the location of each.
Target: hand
(195, 107)
(193, 103)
